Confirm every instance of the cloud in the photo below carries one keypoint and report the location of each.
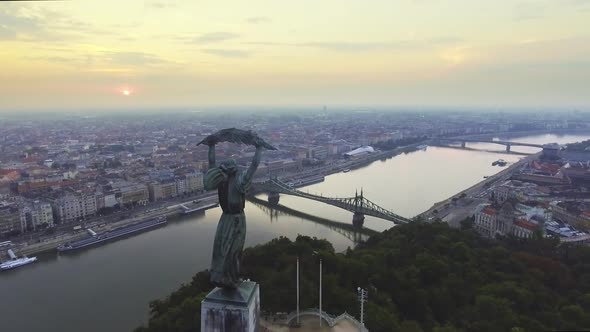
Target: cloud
(6, 33)
(215, 37)
(227, 53)
(126, 38)
(133, 58)
(362, 46)
(528, 11)
(12, 23)
(32, 24)
(160, 5)
(580, 5)
(117, 58)
(258, 19)
(345, 46)
(11, 19)
(56, 59)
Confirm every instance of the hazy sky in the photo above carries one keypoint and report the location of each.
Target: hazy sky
(127, 53)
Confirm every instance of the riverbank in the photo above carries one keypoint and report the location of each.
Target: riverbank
(384, 155)
(353, 164)
(462, 204)
(172, 211)
(513, 134)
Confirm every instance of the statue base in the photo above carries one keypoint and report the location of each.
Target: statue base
(233, 310)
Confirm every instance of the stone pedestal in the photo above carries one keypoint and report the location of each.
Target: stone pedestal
(232, 310)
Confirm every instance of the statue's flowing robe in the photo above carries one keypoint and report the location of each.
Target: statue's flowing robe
(231, 230)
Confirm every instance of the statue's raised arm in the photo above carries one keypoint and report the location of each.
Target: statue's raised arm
(212, 156)
(239, 136)
(247, 179)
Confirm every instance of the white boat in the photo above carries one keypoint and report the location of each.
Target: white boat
(346, 170)
(499, 162)
(422, 147)
(12, 264)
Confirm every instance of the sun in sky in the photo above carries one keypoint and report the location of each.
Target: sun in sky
(126, 92)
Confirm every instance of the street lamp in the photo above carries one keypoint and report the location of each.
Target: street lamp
(320, 292)
(316, 253)
(298, 324)
(363, 293)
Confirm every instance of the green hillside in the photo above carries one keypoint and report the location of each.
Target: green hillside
(420, 277)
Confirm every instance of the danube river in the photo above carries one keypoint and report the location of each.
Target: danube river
(108, 288)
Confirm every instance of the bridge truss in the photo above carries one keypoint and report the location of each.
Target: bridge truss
(357, 204)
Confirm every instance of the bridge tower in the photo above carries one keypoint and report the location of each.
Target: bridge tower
(359, 217)
(357, 237)
(273, 198)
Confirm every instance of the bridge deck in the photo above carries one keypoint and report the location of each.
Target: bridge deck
(473, 140)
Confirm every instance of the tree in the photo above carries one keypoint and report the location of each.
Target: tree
(410, 326)
(427, 276)
(574, 317)
(446, 328)
(467, 223)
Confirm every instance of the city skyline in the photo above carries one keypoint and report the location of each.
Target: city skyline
(136, 54)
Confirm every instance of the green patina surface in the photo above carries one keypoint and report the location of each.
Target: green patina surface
(232, 185)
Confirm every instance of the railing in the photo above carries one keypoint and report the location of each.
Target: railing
(346, 316)
(331, 320)
(310, 312)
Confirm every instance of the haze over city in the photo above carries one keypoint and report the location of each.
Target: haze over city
(132, 54)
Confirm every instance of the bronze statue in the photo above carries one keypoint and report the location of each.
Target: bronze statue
(232, 185)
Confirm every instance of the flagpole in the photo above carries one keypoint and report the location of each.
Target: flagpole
(320, 292)
(298, 291)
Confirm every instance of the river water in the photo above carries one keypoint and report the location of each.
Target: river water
(108, 288)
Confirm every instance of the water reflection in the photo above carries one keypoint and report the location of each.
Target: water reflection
(275, 210)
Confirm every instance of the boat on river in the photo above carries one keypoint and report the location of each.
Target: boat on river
(100, 238)
(15, 262)
(499, 162)
(422, 147)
